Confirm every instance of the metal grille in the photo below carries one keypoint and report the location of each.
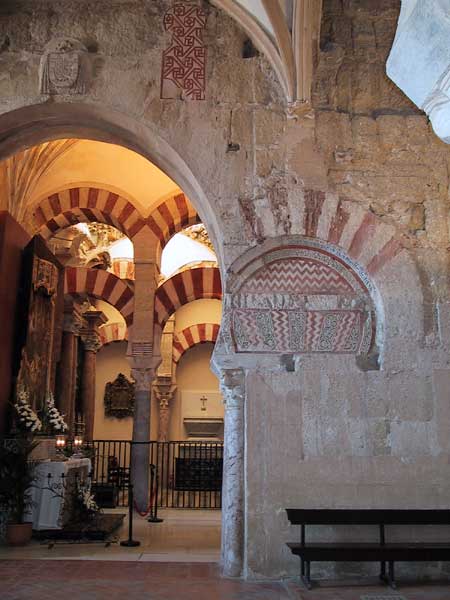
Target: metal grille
(189, 474)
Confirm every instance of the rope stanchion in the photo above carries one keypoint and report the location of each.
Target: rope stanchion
(130, 543)
(153, 518)
(146, 512)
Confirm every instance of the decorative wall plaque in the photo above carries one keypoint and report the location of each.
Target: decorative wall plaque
(119, 398)
(64, 67)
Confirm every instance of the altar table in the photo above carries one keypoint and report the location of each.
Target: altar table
(48, 510)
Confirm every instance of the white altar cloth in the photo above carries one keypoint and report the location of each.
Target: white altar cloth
(47, 510)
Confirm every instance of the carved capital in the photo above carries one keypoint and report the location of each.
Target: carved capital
(143, 379)
(91, 341)
(73, 323)
(232, 386)
(89, 333)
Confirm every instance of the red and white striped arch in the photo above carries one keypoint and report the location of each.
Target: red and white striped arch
(86, 204)
(191, 336)
(113, 332)
(184, 287)
(79, 281)
(172, 216)
(123, 268)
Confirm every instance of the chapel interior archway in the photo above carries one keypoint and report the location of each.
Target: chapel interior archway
(71, 213)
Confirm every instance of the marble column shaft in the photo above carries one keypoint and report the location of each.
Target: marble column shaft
(140, 452)
(233, 390)
(68, 377)
(143, 360)
(88, 392)
(91, 346)
(69, 363)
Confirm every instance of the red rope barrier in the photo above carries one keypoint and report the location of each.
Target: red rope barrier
(149, 507)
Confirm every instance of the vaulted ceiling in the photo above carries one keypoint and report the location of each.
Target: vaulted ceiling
(287, 32)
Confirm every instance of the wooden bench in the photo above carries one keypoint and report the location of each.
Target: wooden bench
(381, 551)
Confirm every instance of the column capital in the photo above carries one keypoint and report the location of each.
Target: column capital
(91, 341)
(73, 320)
(232, 386)
(89, 333)
(143, 379)
(73, 323)
(95, 318)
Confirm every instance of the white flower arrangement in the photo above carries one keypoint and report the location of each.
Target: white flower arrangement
(53, 416)
(87, 499)
(25, 414)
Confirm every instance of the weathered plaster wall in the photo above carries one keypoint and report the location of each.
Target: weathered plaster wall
(329, 433)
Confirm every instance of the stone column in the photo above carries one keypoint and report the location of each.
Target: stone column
(140, 453)
(164, 392)
(232, 385)
(68, 363)
(145, 358)
(92, 345)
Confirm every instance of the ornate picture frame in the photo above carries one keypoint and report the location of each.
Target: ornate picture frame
(119, 398)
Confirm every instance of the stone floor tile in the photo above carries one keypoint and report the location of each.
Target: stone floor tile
(112, 580)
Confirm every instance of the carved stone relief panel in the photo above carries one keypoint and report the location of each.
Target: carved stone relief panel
(302, 300)
(64, 67)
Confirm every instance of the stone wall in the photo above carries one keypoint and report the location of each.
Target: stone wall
(330, 434)
(363, 172)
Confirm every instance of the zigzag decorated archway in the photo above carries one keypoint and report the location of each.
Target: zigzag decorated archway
(186, 286)
(191, 336)
(103, 285)
(300, 296)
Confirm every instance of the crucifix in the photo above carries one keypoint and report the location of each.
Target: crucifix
(203, 401)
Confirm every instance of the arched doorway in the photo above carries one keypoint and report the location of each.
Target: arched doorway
(50, 213)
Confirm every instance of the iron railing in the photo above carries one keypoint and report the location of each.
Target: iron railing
(184, 474)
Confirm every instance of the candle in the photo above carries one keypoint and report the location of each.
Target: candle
(60, 441)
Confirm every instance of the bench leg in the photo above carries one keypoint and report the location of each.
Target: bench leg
(306, 574)
(391, 576)
(383, 571)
